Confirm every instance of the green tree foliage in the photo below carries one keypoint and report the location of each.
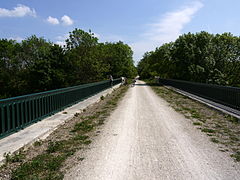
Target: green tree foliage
(200, 57)
(35, 64)
(9, 66)
(118, 57)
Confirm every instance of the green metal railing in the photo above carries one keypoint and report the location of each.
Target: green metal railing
(228, 96)
(19, 112)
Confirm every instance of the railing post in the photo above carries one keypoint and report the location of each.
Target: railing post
(18, 115)
(8, 118)
(3, 119)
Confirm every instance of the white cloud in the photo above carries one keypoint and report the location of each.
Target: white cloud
(66, 20)
(18, 39)
(52, 20)
(61, 43)
(165, 29)
(19, 11)
(97, 35)
(61, 39)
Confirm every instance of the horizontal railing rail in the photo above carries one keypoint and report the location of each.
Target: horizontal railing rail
(19, 112)
(226, 95)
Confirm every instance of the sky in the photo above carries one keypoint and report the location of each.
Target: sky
(142, 24)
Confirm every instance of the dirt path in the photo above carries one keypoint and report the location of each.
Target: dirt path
(146, 139)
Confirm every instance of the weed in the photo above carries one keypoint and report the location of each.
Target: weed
(37, 168)
(54, 146)
(70, 153)
(87, 142)
(101, 122)
(226, 130)
(102, 97)
(207, 130)
(178, 109)
(236, 156)
(16, 157)
(202, 120)
(80, 138)
(76, 114)
(234, 138)
(196, 115)
(37, 143)
(232, 119)
(192, 111)
(218, 125)
(214, 140)
(84, 126)
(91, 117)
(80, 159)
(197, 123)
(64, 112)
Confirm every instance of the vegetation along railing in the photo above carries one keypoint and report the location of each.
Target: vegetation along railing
(229, 96)
(19, 112)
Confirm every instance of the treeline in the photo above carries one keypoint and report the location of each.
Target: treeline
(36, 64)
(200, 57)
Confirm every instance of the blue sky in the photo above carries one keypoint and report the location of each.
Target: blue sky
(143, 24)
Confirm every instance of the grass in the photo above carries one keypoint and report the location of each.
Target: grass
(37, 143)
(55, 146)
(207, 130)
(80, 138)
(234, 138)
(87, 142)
(197, 123)
(100, 122)
(16, 157)
(196, 115)
(81, 159)
(44, 166)
(84, 126)
(102, 98)
(214, 140)
(47, 165)
(232, 119)
(236, 156)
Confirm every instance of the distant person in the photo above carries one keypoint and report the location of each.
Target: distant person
(111, 80)
(133, 82)
(123, 80)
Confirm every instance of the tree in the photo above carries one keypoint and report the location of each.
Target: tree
(9, 66)
(200, 57)
(35, 64)
(118, 56)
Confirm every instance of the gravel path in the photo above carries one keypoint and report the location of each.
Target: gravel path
(145, 139)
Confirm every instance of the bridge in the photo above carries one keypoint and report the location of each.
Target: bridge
(143, 138)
